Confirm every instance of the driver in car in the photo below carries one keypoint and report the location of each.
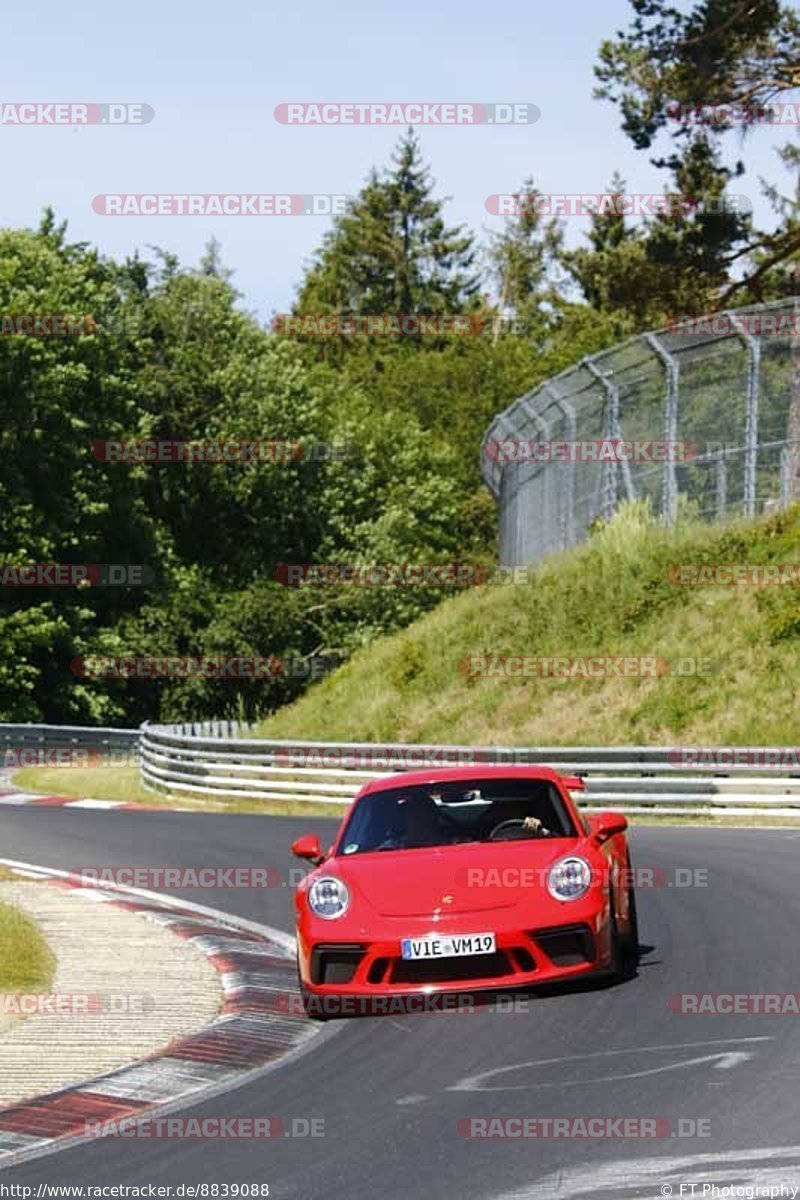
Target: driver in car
(535, 827)
(420, 824)
(515, 822)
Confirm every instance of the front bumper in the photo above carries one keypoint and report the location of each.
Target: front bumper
(346, 963)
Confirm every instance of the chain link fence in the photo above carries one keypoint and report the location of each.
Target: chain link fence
(697, 415)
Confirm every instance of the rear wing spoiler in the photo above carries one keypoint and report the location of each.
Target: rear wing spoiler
(574, 783)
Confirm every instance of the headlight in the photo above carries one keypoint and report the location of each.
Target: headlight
(569, 878)
(328, 897)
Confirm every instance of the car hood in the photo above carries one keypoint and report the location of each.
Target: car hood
(451, 879)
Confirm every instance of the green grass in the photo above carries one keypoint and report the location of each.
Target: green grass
(99, 783)
(27, 963)
(122, 783)
(611, 596)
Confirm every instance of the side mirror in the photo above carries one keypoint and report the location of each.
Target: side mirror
(308, 847)
(605, 824)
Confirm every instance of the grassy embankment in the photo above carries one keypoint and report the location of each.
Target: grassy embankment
(613, 596)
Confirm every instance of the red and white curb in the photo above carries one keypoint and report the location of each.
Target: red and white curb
(13, 797)
(261, 1023)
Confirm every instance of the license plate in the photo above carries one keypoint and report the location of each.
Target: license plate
(455, 946)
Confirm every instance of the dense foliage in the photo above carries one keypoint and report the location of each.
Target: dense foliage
(166, 352)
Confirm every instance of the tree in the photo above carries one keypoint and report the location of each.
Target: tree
(719, 55)
(521, 261)
(211, 261)
(58, 395)
(612, 272)
(391, 251)
(698, 245)
(718, 65)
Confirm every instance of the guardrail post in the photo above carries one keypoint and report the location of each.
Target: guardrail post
(753, 346)
(613, 432)
(786, 482)
(722, 485)
(509, 553)
(568, 516)
(672, 367)
(543, 427)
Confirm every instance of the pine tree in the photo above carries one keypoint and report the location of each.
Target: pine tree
(522, 260)
(696, 247)
(613, 271)
(713, 69)
(391, 250)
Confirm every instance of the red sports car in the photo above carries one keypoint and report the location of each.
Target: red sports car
(460, 879)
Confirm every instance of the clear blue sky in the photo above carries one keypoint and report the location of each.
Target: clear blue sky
(214, 73)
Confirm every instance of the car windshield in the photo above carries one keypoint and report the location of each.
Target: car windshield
(445, 814)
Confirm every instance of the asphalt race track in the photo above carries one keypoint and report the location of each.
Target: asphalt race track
(392, 1090)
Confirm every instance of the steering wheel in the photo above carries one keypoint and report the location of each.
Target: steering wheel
(517, 824)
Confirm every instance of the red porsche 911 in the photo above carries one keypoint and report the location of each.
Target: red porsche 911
(464, 878)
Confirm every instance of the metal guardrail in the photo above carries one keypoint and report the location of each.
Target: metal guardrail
(213, 759)
(111, 743)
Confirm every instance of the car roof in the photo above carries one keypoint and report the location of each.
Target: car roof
(455, 774)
